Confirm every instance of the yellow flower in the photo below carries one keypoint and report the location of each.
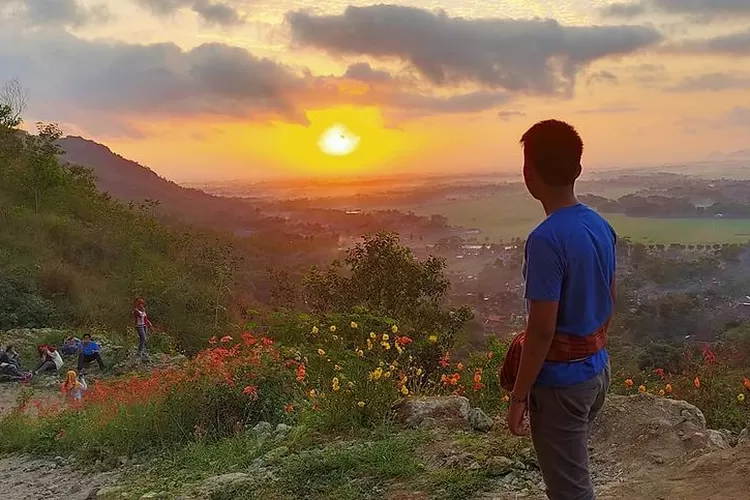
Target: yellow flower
(332, 328)
(432, 338)
(460, 366)
(398, 348)
(337, 368)
(381, 364)
(361, 404)
(741, 397)
(312, 393)
(386, 374)
(385, 337)
(335, 384)
(373, 336)
(642, 388)
(350, 385)
(335, 337)
(321, 352)
(360, 352)
(394, 329)
(661, 392)
(369, 345)
(353, 324)
(404, 390)
(315, 330)
(375, 374)
(386, 345)
(419, 372)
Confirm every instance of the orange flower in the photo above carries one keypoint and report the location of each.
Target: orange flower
(289, 408)
(478, 385)
(641, 388)
(697, 383)
(226, 338)
(629, 383)
(250, 390)
(301, 372)
(460, 366)
(661, 392)
(506, 398)
(746, 384)
(668, 389)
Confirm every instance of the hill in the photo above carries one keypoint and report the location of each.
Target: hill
(129, 181)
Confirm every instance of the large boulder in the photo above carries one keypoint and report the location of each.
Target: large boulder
(645, 430)
(450, 411)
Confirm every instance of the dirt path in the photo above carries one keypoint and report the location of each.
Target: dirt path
(23, 478)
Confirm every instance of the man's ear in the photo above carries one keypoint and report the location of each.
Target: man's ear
(578, 171)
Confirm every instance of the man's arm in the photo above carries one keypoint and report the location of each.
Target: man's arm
(540, 331)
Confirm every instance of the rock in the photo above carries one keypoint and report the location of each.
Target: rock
(262, 430)
(499, 466)
(452, 411)
(218, 483)
(479, 420)
(275, 454)
(744, 438)
(282, 430)
(632, 430)
(150, 494)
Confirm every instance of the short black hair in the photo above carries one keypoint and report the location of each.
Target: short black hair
(555, 150)
(87, 335)
(9, 348)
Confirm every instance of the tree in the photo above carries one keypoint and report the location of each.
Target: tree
(384, 277)
(40, 171)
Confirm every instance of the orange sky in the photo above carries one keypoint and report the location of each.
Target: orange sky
(192, 112)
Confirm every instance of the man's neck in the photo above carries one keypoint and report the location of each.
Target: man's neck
(557, 200)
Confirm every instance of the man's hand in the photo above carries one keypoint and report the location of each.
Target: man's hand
(516, 418)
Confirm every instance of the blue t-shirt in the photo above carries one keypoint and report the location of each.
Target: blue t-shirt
(570, 258)
(89, 348)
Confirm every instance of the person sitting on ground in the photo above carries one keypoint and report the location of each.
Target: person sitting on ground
(89, 351)
(50, 359)
(70, 346)
(142, 324)
(10, 366)
(74, 386)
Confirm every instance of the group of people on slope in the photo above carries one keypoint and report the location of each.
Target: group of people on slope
(87, 351)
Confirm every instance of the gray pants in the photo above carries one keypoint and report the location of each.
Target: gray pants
(560, 425)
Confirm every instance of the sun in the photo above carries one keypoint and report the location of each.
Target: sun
(337, 140)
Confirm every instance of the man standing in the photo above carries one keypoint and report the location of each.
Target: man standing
(569, 271)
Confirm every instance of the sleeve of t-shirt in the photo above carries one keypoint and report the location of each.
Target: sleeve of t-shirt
(544, 270)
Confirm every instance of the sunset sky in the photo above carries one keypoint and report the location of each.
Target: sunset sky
(225, 89)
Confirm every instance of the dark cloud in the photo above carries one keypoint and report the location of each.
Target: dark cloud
(508, 115)
(698, 10)
(54, 12)
(712, 82)
(529, 56)
(114, 86)
(734, 44)
(215, 12)
(605, 77)
(157, 79)
(365, 73)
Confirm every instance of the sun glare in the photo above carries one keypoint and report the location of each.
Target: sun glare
(338, 141)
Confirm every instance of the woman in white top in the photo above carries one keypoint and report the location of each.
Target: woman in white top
(50, 359)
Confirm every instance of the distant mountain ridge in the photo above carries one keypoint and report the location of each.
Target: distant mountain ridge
(127, 180)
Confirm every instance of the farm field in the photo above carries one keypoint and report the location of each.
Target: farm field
(503, 218)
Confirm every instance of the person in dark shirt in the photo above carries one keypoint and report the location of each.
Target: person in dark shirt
(569, 274)
(10, 365)
(89, 351)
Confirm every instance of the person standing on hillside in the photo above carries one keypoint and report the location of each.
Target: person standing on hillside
(558, 368)
(142, 324)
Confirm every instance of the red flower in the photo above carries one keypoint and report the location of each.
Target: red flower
(697, 383)
(301, 372)
(266, 341)
(250, 390)
(445, 360)
(660, 372)
(226, 338)
(212, 340)
(403, 341)
(746, 384)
